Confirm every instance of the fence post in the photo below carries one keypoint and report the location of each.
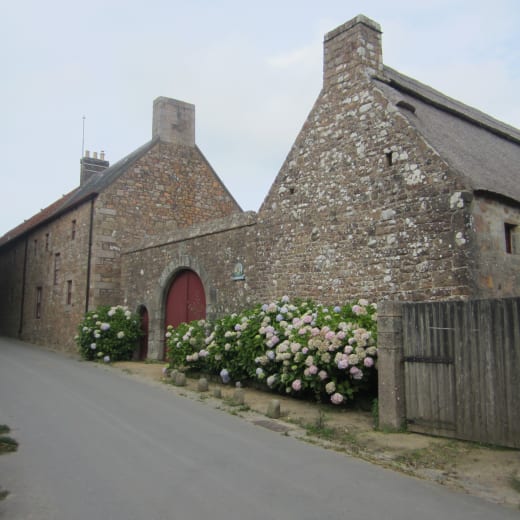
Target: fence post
(391, 389)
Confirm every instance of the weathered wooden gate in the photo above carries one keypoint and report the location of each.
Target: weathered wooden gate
(462, 369)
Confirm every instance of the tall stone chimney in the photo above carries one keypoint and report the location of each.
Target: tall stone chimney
(173, 121)
(91, 165)
(352, 51)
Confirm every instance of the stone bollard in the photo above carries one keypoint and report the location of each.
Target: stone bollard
(239, 396)
(273, 410)
(202, 385)
(217, 392)
(180, 379)
(173, 373)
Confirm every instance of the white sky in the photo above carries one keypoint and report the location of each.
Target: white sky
(252, 69)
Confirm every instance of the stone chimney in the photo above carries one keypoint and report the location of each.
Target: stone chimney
(91, 165)
(352, 51)
(173, 121)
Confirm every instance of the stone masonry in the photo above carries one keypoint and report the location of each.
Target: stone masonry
(363, 206)
(372, 201)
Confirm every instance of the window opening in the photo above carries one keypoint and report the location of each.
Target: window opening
(38, 302)
(69, 292)
(389, 159)
(73, 230)
(57, 266)
(511, 238)
(46, 241)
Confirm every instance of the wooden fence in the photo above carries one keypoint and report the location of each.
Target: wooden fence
(452, 369)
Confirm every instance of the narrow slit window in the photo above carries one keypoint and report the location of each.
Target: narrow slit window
(46, 241)
(69, 292)
(389, 159)
(57, 267)
(73, 230)
(38, 302)
(511, 238)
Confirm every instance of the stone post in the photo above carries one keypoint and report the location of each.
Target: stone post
(391, 399)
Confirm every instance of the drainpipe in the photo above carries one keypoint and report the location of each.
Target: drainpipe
(24, 272)
(89, 255)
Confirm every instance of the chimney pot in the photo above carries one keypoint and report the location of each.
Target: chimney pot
(102, 155)
(92, 165)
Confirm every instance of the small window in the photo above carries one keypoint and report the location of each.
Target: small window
(57, 267)
(389, 159)
(73, 230)
(35, 246)
(38, 302)
(512, 238)
(69, 292)
(46, 241)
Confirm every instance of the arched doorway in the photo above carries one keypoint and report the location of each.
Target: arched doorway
(186, 300)
(143, 340)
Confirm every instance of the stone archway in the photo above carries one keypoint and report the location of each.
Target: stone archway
(185, 300)
(158, 309)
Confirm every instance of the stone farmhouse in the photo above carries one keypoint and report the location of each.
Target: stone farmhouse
(67, 258)
(391, 190)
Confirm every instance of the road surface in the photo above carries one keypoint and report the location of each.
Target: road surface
(96, 444)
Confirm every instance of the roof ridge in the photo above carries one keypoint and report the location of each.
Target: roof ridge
(439, 100)
(91, 188)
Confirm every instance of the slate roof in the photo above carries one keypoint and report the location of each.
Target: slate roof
(483, 150)
(97, 183)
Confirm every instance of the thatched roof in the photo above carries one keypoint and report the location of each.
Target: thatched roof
(483, 150)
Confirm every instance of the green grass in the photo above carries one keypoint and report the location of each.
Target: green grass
(7, 444)
(514, 482)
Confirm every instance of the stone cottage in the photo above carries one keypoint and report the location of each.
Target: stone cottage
(390, 191)
(67, 258)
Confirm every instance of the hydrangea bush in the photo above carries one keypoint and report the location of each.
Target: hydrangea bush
(298, 348)
(108, 334)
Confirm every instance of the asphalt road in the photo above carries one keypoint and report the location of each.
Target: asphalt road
(96, 444)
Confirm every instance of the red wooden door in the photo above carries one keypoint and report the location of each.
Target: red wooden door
(186, 300)
(143, 341)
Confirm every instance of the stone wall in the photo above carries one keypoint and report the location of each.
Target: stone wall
(171, 186)
(497, 272)
(56, 262)
(11, 287)
(362, 205)
(211, 250)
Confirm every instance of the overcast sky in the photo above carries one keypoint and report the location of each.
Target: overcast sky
(252, 69)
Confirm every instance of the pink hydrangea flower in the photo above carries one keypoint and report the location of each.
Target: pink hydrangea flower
(343, 363)
(336, 398)
(323, 375)
(368, 362)
(296, 385)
